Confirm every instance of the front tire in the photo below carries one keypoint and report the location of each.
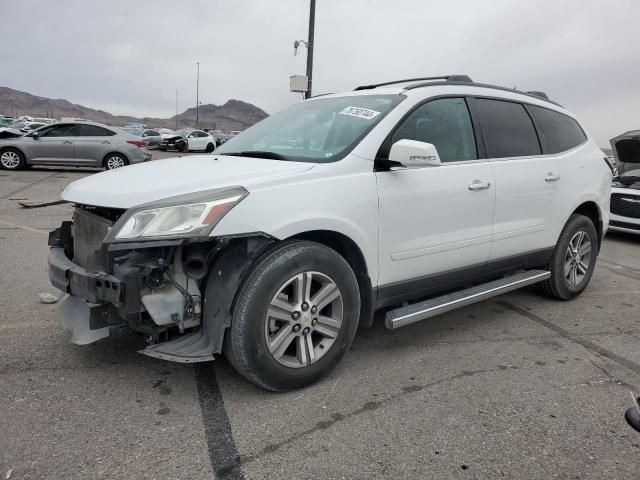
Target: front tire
(12, 159)
(574, 259)
(295, 316)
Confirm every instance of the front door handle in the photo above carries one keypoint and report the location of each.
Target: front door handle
(551, 177)
(478, 185)
(67, 142)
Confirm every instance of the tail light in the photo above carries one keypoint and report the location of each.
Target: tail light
(137, 143)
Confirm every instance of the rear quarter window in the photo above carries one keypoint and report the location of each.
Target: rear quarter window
(507, 129)
(559, 132)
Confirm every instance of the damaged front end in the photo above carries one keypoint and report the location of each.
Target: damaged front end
(177, 292)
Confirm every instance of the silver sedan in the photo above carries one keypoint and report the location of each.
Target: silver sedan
(76, 144)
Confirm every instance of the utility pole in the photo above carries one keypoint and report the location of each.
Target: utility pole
(312, 21)
(197, 93)
(176, 109)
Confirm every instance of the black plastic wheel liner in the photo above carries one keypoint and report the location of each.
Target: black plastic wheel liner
(225, 276)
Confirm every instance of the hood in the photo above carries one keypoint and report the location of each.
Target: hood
(10, 133)
(172, 137)
(147, 182)
(626, 149)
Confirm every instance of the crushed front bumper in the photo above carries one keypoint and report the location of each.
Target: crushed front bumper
(90, 311)
(75, 280)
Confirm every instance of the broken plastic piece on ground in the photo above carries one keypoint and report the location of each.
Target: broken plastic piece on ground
(40, 205)
(632, 416)
(47, 298)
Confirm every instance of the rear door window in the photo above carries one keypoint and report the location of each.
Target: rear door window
(507, 129)
(93, 131)
(559, 132)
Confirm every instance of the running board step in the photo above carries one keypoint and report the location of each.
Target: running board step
(435, 306)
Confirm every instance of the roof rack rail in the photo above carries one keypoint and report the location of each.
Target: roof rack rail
(447, 78)
(539, 94)
(534, 94)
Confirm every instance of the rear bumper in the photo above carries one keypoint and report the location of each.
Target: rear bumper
(140, 155)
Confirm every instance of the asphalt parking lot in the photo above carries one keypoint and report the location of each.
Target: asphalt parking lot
(515, 387)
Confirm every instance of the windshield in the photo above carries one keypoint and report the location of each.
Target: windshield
(320, 130)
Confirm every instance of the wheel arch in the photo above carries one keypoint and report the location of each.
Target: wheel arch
(350, 251)
(591, 210)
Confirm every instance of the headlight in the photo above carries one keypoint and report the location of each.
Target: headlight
(187, 215)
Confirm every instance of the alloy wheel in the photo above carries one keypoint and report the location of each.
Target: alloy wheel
(578, 258)
(115, 162)
(303, 319)
(10, 160)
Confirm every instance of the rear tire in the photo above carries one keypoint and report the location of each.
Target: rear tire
(12, 159)
(295, 316)
(210, 148)
(115, 160)
(573, 260)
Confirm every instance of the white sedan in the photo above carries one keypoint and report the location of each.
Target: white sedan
(188, 141)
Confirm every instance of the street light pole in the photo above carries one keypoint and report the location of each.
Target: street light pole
(312, 21)
(176, 109)
(197, 93)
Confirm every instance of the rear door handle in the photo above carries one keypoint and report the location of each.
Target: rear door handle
(551, 177)
(67, 142)
(106, 142)
(478, 185)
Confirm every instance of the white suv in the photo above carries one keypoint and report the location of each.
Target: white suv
(427, 193)
(625, 194)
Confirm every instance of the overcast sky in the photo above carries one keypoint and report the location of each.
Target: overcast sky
(130, 57)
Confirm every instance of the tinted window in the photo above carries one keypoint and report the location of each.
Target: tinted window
(65, 130)
(93, 131)
(560, 132)
(507, 128)
(446, 124)
(151, 133)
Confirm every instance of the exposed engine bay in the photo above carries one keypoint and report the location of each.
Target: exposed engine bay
(155, 288)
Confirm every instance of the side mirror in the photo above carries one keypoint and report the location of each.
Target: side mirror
(35, 135)
(414, 154)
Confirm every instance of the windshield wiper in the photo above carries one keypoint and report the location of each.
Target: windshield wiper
(257, 154)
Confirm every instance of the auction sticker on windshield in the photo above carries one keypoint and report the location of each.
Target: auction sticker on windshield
(360, 112)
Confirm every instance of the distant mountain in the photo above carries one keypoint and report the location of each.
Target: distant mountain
(233, 115)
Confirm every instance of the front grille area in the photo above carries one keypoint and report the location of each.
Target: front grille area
(625, 205)
(89, 231)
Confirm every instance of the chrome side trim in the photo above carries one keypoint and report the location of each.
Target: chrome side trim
(435, 306)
